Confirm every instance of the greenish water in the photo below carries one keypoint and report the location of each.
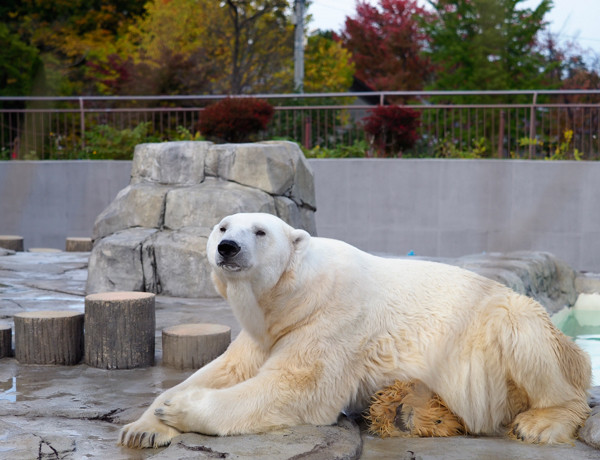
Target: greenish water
(584, 327)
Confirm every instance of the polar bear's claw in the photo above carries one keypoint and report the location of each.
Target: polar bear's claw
(137, 436)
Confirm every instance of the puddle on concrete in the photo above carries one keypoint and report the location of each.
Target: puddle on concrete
(8, 390)
(15, 389)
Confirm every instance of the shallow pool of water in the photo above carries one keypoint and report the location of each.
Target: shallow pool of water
(8, 390)
(582, 323)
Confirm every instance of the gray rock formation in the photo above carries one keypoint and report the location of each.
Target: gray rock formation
(588, 283)
(539, 275)
(152, 237)
(590, 431)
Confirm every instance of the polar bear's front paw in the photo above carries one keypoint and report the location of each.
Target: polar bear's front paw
(143, 433)
(171, 413)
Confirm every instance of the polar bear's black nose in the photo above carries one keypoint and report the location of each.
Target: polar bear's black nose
(228, 248)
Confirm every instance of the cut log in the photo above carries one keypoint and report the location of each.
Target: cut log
(191, 346)
(119, 330)
(74, 244)
(49, 337)
(44, 250)
(12, 242)
(5, 340)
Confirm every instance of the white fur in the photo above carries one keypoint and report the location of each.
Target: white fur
(326, 325)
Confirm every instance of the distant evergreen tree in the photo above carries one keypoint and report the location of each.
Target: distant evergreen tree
(486, 44)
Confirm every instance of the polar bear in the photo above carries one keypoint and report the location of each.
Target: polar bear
(325, 326)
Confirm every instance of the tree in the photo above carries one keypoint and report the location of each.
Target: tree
(171, 49)
(485, 44)
(386, 44)
(201, 46)
(328, 66)
(19, 64)
(568, 66)
(259, 35)
(158, 46)
(67, 32)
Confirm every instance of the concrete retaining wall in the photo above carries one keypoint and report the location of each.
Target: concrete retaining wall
(46, 201)
(439, 208)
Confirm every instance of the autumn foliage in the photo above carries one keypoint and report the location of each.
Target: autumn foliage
(392, 129)
(387, 43)
(235, 119)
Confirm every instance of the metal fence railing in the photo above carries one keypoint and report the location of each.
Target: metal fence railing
(499, 124)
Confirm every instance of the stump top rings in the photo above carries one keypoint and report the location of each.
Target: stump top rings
(49, 314)
(196, 329)
(118, 296)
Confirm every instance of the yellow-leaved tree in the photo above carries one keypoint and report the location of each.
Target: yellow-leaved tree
(199, 47)
(327, 65)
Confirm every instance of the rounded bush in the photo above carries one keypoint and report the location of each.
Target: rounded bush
(235, 119)
(392, 129)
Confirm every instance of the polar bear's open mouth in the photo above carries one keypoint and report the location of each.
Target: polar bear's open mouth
(230, 267)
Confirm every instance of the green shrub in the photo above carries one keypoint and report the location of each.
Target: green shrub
(448, 149)
(357, 150)
(556, 150)
(104, 142)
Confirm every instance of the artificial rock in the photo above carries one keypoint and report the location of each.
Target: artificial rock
(152, 237)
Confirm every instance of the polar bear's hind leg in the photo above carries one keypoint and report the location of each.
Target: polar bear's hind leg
(549, 368)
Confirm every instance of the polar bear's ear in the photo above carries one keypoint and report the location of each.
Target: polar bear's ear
(300, 239)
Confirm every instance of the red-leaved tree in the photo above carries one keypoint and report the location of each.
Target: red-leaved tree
(386, 44)
(392, 129)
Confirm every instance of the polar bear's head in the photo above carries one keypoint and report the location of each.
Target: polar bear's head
(254, 245)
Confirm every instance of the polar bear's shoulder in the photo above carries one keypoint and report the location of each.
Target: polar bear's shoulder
(331, 254)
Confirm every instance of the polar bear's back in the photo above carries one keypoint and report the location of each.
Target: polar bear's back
(406, 284)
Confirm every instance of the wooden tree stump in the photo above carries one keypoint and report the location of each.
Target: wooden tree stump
(49, 337)
(119, 330)
(12, 242)
(5, 340)
(74, 244)
(191, 346)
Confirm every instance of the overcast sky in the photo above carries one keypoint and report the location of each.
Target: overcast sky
(573, 19)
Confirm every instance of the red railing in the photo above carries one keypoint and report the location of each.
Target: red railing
(501, 124)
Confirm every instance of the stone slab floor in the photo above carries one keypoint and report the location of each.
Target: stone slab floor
(75, 412)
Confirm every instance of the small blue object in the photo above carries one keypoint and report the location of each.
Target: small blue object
(411, 253)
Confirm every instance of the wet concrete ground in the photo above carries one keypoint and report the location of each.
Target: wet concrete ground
(75, 412)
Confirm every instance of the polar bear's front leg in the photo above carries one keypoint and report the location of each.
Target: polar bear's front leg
(285, 395)
(240, 362)
(230, 411)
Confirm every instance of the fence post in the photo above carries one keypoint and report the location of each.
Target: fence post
(501, 136)
(532, 124)
(307, 132)
(82, 123)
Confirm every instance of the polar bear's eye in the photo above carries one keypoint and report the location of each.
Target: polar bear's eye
(260, 233)
(223, 229)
